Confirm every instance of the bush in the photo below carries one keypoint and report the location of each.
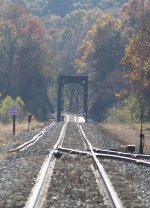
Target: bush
(128, 111)
(7, 104)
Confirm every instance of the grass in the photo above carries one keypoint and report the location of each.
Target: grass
(7, 137)
(127, 134)
(124, 134)
(6, 131)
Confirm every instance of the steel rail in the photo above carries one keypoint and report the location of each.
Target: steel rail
(33, 140)
(105, 156)
(125, 154)
(66, 120)
(33, 199)
(73, 151)
(84, 141)
(127, 159)
(112, 193)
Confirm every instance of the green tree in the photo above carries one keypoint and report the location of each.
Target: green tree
(127, 111)
(7, 104)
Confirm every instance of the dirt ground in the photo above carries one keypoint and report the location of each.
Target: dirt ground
(128, 134)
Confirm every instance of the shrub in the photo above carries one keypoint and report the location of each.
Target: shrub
(128, 111)
(7, 104)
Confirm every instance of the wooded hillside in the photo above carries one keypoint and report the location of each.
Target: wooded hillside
(105, 39)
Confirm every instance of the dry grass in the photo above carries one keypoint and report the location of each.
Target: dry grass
(7, 137)
(127, 134)
(6, 131)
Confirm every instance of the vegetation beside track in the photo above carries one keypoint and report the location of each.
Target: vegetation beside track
(127, 134)
(6, 130)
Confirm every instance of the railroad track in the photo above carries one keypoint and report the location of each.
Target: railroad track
(20, 169)
(73, 175)
(33, 140)
(77, 171)
(137, 158)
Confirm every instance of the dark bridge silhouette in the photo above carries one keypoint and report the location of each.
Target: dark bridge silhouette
(62, 80)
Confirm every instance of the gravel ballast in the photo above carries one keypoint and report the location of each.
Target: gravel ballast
(73, 185)
(19, 171)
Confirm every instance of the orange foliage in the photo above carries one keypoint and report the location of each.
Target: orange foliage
(137, 56)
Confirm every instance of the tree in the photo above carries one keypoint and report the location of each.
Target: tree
(132, 11)
(99, 56)
(8, 103)
(137, 59)
(67, 34)
(25, 56)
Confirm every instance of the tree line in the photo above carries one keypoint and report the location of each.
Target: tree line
(107, 40)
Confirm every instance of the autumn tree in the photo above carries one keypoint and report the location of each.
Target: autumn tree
(137, 60)
(131, 14)
(25, 57)
(99, 56)
(63, 7)
(135, 18)
(67, 33)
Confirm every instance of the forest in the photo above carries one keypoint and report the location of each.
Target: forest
(108, 40)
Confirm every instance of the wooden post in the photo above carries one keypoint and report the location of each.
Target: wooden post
(14, 124)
